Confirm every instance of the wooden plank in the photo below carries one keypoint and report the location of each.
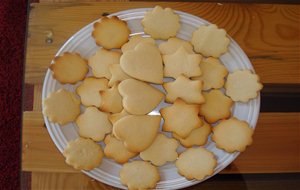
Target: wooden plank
(37, 97)
(269, 34)
(275, 148)
(59, 181)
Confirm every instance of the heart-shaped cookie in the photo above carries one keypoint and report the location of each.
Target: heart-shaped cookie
(139, 98)
(137, 131)
(143, 63)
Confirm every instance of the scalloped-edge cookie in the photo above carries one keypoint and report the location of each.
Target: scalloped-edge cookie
(232, 135)
(116, 150)
(182, 63)
(188, 90)
(181, 118)
(139, 175)
(61, 107)
(111, 100)
(173, 44)
(196, 163)
(93, 124)
(217, 106)
(110, 32)
(135, 40)
(242, 85)
(89, 89)
(213, 73)
(163, 146)
(198, 136)
(69, 68)
(161, 23)
(210, 40)
(101, 61)
(137, 132)
(83, 154)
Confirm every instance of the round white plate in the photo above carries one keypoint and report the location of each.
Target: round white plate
(108, 172)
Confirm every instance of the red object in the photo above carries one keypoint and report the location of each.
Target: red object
(12, 42)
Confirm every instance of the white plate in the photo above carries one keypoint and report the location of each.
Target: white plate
(108, 172)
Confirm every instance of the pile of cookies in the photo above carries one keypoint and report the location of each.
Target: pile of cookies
(118, 96)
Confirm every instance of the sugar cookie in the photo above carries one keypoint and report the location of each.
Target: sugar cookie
(93, 124)
(186, 89)
(242, 85)
(83, 154)
(182, 63)
(210, 41)
(217, 106)
(110, 32)
(113, 118)
(61, 107)
(196, 163)
(139, 175)
(137, 132)
(101, 61)
(139, 98)
(69, 68)
(161, 23)
(162, 150)
(135, 40)
(181, 118)
(111, 100)
(89, 91)
(116, 150)
(173, 44)
(213, 73)
(117, 74)
(232, 135)
(198, 136)
(143, 63)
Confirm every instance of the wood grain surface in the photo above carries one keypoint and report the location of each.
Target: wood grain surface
(269, 34)
(275, 148)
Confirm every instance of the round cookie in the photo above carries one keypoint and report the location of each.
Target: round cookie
(196, 163)
(242, 85)
(135, 40)
(110, 32)
(69, 68)
(161, 23)
(173, 44)
(61, 107)
(210, 41)
(232, 135)
(139, 175)
(83, 154)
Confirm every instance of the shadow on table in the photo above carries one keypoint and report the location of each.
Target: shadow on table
(274, 181)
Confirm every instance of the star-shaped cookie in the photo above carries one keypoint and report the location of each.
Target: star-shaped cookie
(111, 100)
(186, 89)
(217, 106)
(181, 118)
(117, 74)
(164, 147)
(182, 63)
(213, 73)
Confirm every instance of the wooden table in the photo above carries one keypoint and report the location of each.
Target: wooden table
(268, 33)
